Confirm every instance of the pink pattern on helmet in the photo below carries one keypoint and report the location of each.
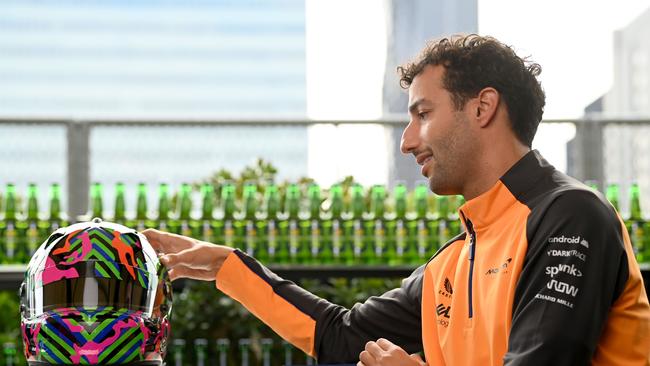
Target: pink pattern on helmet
(92, 350)
(51, 273)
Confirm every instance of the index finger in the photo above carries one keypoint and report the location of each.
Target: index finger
(166, 242)
(385, 344)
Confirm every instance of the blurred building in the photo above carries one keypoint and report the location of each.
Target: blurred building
(626, 148)
(151, 59)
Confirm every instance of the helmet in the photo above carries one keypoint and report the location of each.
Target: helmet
(95, 294)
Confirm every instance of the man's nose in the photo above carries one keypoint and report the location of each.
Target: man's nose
(409, 139)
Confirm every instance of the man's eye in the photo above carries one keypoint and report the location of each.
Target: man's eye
(423, 115)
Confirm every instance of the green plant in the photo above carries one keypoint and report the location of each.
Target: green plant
(10, 323)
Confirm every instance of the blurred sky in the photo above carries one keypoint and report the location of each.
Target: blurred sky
(572, 40)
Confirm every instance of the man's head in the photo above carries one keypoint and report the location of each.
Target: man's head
(458, 88)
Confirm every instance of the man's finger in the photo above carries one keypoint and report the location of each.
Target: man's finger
(385, 344)
(169, 260)
(374, 349)
(366, 359)
(166, 242)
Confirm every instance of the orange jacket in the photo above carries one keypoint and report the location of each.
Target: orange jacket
(544, 274)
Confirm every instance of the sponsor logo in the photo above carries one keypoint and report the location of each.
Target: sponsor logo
(563, 268)
(503, 268)
(569, 240)
(443, 310)
(446, 289)
(443, 314)
(567, 253)
(448, 286)
(555, 300)
(562, 287)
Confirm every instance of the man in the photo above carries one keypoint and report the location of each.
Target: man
(544, 273)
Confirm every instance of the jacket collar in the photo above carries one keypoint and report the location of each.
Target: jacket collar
(520, 178)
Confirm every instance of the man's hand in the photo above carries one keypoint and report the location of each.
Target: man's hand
(186, 257)
(385, 353)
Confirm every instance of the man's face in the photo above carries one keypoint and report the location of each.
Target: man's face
(437, 135)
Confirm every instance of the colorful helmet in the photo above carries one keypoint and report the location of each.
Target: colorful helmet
(95, 294)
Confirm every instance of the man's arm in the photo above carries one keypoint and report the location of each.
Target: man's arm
(575, 268)
(322, 329)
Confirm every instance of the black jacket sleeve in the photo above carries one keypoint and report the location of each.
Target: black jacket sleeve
(341, 334)
(575, 268)
(338, 334)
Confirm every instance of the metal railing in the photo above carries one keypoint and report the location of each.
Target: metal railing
(585, 151)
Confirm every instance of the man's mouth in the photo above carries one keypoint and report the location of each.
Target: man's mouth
(423, 158)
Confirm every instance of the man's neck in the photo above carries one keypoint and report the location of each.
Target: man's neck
(490, 166)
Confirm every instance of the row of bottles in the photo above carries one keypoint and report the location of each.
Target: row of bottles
(295, 229)
(637, 226)
(245, 352)
(372, 227)
(275, 229)
(22, 233)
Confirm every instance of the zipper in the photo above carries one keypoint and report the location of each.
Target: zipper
(471, 255)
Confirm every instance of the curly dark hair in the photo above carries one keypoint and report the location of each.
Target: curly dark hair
(473, 62)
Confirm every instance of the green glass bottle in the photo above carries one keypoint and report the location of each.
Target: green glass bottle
(56, 219)
(375, 250)
(9, 350)
(267, 344)
(443, 222)
(226, 228)
(120, 204)
(268, 227)
(178, 350)
(421, 222)
(10, 234)
(288, 353)
(612, 194)
(201, 351)
(207, 213)
(637, 226)
(142, 220)
(290, 227)
(244, 348)
(397, 228)
(32, 236)
(356, 222)
(97, 200)
(223, 346)
(185, 221)
(333, 227)
(311, 228)
(164, 206)
(29, 237)
(248, 220)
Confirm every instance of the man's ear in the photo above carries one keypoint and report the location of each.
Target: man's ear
(487, 103)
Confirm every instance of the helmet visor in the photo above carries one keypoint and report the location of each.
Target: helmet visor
(93, 285)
